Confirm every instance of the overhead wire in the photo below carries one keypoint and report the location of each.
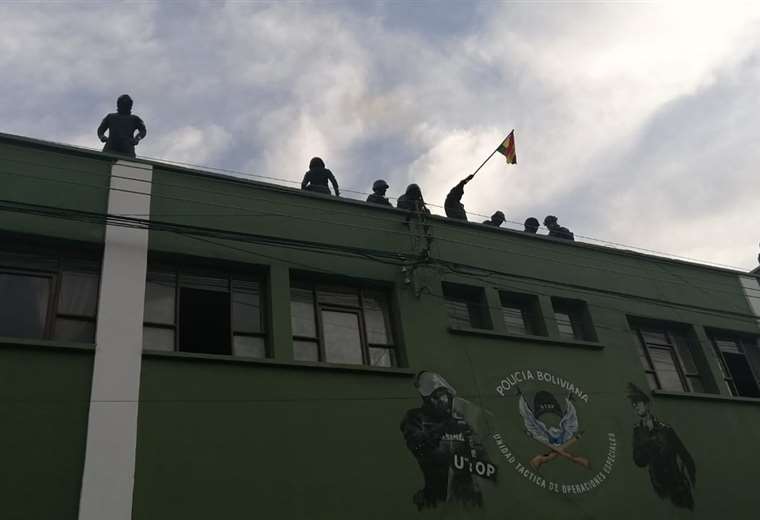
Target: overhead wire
(237, 174)
(365, 228)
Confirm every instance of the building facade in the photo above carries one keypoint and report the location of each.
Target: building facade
(176, 343)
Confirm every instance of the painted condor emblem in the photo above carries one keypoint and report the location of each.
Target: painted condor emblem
(540, 434)
(557, 439)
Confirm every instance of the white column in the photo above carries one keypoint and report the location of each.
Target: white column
(109, 464)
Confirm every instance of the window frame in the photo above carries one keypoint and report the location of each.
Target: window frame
(314, 287)
(473, 297)
(60, 263)
(530, 311)
(740, 340)
(670, 331)
(180, 271)
(578, 317)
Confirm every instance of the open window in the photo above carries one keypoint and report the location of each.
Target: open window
(467, 306)
(739, 361)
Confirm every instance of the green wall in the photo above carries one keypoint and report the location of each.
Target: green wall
(44, 401)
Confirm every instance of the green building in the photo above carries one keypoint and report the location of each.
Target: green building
(176, 343)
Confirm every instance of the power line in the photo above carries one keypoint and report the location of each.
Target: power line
(237, 174)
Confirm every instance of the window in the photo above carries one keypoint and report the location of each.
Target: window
(573, 320)
(467, 306)
(670, 357)
(739, 356)
(339, 324)
(204, 312)
(48, 296)
(521, 313)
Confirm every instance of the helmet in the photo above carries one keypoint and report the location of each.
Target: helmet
(550, 219)
(428, 382)
(379, 184)
(499, 215)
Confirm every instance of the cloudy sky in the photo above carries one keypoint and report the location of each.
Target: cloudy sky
(636, 123)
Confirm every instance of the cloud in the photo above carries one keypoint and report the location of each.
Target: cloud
(617, 107)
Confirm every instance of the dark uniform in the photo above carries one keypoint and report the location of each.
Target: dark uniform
(412, 200)
(121, 126)
(316, 178)
(671, 468)
(378, 199)
(453, 205)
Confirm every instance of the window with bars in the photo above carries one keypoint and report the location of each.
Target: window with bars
(739, 362)
(204, 312)
(521, 313)
(573, 319)
(467, 306)
(45, 295)
(341, 324)
(671, 358)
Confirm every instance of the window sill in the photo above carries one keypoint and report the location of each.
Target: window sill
(53, 344)
(560, 342)
(308, 365)
(706, 397)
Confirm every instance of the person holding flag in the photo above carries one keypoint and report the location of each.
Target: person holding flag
(453, 204)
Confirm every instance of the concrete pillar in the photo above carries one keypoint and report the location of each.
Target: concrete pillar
(109, 465)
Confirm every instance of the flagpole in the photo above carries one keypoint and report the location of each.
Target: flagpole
(484, 163)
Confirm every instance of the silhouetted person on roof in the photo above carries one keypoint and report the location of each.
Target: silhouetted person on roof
(453, 205)
(121, 127)
(531, 225)
(557, 231)
(496, 220)
(379, 187)
(412, 200)
(317, 176)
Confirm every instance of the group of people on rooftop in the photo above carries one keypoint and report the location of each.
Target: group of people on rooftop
(126, 130)
(317, 177)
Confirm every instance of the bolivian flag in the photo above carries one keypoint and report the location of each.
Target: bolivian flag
(507, 148)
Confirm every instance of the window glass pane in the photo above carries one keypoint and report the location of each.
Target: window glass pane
(665, 367)
(249, 346)
(206, 283)
(564, 324)
(302, 313)
(342, 337)
(728, 345)
(643, 356)
(684, 350)
(655, 337)
(305, 350)
(155, 338)
(381, 357)
(741, 373)
(459, 313)
(79, 294)
(23, 305)
(160, 293)
(514, 320)
(246, 307)
(652, 381)
(338, 296)
(374, 318)
(74, 330)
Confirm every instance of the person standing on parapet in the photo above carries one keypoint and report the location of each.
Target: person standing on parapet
(379, 187)
(316, 178)
(496, 220)
(121, 127)
(453, 205)
(412, 200)
(557, 231)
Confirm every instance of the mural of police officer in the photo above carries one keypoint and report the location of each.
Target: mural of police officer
(656, 446)
(445, 445)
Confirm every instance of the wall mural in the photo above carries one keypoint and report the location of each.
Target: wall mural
(546, 409)
(441, 435)
(656, 446)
